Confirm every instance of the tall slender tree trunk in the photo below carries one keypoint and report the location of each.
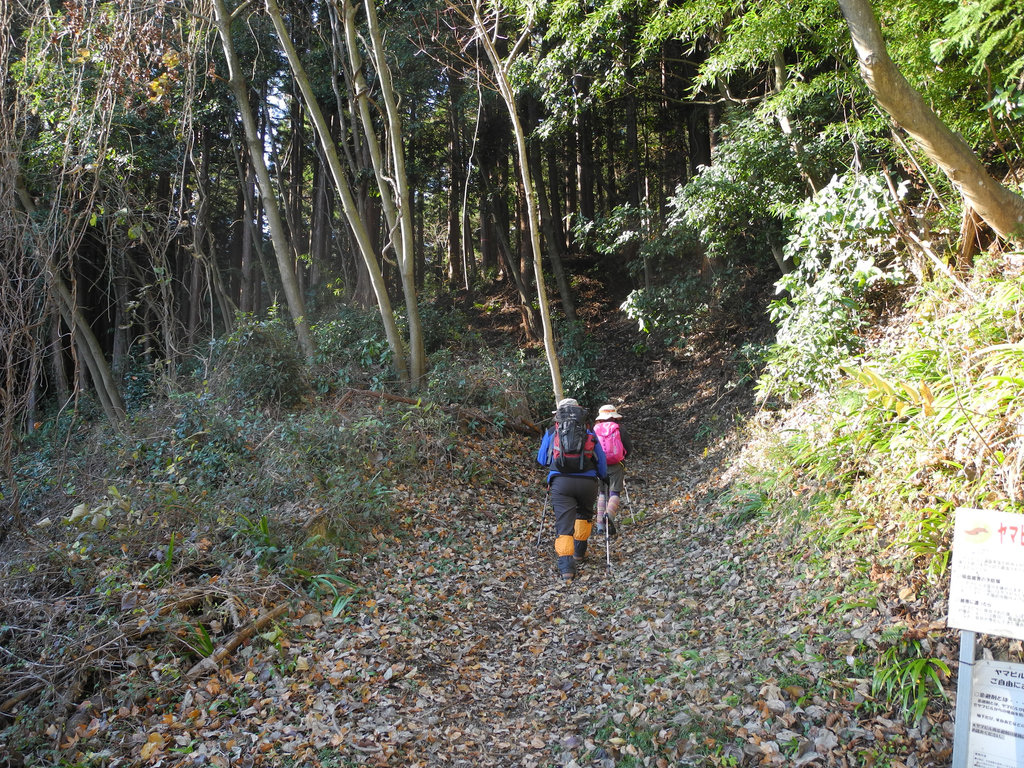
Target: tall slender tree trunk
(88, 346)
(58, 369)
(505, 252)
(611, 187)
(509, 97)
(320, 230)
(250, 252)
(555, 248)
(698, 118)
(585, 165)
(456, 179)
(556, 180)
(488, 239)
(569, 163)
(352, 213)
(282, 247)
(200, 235)
(404, 194)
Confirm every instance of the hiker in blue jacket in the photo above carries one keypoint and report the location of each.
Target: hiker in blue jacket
(572, 484)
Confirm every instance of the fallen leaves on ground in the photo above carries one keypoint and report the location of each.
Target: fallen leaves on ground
(707, 642)
(702, 644)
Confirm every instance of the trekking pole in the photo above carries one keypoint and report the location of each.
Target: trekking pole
(608, 546)
(625, 490)
(543, 514)
(605, 490)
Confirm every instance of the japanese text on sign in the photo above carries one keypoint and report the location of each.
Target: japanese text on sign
(997, 715)
(986, 588)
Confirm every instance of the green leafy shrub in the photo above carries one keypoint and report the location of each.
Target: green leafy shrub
(732, 208)
(206, 441)
(352, 351)
(447, 327)
(671, 310)
(502, 383)
(842, 250)
(261, 363)
(628, 227)
(578, 354)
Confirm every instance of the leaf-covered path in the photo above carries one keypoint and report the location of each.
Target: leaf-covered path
(706, 643)
(716, 638)
(720, 636)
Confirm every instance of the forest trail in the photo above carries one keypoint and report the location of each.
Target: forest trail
(468, 650)
(717, 637)
(701, 645)
(704, 644)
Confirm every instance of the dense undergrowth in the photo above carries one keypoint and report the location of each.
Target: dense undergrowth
(925, 420)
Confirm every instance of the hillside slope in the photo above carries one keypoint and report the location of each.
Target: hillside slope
(718, 635)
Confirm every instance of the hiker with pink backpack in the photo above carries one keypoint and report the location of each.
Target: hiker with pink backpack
(617, 446)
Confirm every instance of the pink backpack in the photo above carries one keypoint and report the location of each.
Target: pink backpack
(611, 441)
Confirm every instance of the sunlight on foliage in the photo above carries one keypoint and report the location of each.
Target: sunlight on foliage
(906, 675)
(842, 250)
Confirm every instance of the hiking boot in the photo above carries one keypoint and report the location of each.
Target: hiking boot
(567, 567)
(580, 551)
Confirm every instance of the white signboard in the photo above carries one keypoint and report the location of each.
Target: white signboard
(986, 586)
(997, 716)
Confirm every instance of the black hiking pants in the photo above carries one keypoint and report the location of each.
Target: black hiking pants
(573, 498)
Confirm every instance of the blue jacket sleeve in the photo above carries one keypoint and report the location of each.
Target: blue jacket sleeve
(545, 449)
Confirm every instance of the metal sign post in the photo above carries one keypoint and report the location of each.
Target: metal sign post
(964, 693)
(986, 594)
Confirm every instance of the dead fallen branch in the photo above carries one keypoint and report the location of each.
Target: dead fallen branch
(242, 636)
(7, 707)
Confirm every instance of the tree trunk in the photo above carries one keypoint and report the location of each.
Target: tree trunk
(607, 164)
(499, 228)
(89, 347)
(555, 249)
(456, 179)
(585, 163)
(571, 193)
(400, 179)
(488, 243)
(282, 249)
(356, 223)
(556, 180)
(320, 230)
(247, 290)
(58, 371)
(199, 234)
(508, 95)
(392, 180)
(1001, 209)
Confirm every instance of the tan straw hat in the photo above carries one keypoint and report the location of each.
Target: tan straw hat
(608, 412)
(564, 402)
